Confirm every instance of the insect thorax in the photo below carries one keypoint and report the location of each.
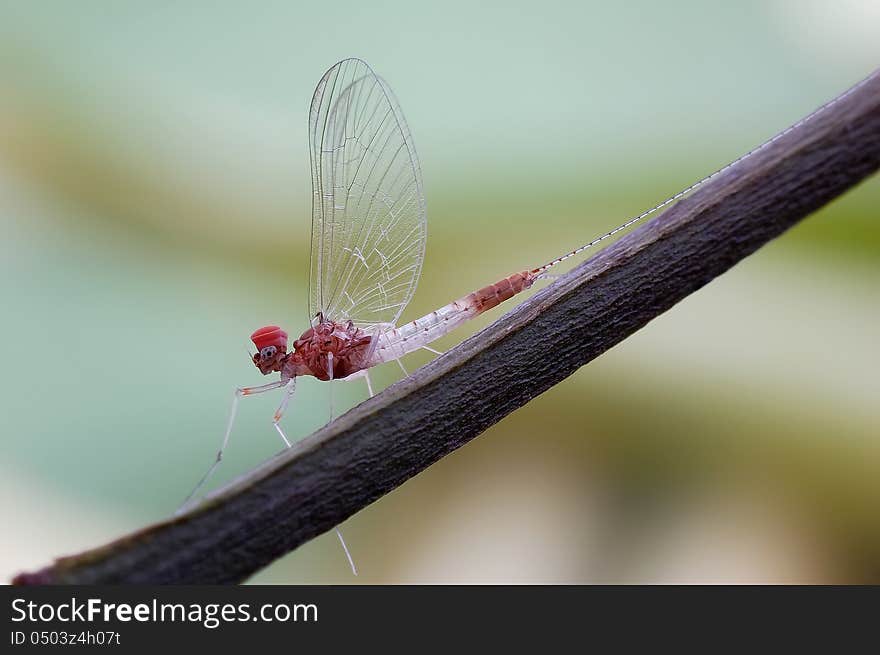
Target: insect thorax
(342, 343)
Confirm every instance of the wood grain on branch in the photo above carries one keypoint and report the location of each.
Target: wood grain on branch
(378, 445)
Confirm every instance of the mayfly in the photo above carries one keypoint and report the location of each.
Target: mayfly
(369, 227)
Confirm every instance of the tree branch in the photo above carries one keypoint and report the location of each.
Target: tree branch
(380, 444)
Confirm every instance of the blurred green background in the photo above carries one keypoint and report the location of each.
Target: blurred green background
(154, 207)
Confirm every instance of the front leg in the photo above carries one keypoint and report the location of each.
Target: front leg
(239, 392)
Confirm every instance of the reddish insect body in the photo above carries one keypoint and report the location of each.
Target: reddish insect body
(347, 349)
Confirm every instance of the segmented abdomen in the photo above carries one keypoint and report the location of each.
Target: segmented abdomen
(397, 342)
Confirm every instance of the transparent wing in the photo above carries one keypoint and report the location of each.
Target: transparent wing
(369, 223)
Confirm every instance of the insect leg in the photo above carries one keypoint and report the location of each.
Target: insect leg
(330, 382)
(288, 394)
(338, 532)
(369, 383)
(239, 392)
(377, 331)
(347, 554)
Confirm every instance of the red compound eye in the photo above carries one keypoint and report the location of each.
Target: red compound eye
(271, 335)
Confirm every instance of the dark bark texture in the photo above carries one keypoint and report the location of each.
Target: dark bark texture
(383, 442)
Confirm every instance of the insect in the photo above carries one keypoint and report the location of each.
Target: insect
(369, 228)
